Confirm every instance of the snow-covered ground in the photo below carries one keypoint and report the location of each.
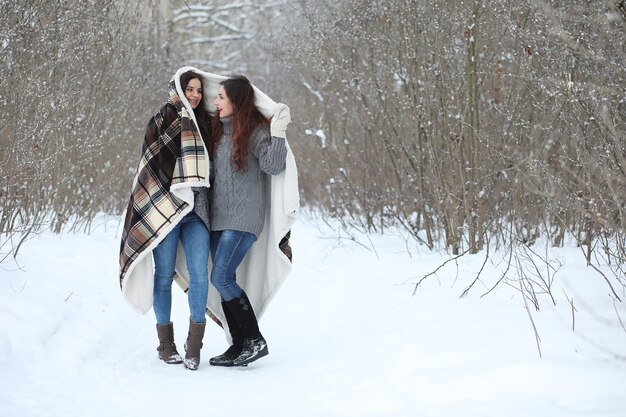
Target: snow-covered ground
(346, 338)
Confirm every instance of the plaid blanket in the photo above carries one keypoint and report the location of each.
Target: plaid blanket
(173, 159)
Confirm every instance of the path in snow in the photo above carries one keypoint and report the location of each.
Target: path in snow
(346, 338)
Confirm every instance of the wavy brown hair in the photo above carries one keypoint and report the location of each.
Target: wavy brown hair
(246, 117)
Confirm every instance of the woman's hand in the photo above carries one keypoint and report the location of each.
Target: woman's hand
(280, 120)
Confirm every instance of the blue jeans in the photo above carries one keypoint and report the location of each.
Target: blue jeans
(228, 248)
(194, 236)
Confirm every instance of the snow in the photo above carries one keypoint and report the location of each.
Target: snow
(346, 338)
(319, 134)
(314, 92)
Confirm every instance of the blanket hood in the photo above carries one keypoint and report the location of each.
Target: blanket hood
(211, 84)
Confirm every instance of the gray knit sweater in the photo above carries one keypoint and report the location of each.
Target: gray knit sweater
(201, 204)
(238, 197)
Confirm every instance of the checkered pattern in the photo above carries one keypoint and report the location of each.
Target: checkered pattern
(172, 154)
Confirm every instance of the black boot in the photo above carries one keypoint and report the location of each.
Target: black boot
(254, 345)
(233, 352)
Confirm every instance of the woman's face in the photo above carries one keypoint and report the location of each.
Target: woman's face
(223, 104)
(193, 92)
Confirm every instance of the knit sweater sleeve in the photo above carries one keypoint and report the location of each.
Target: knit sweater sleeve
(271, 151)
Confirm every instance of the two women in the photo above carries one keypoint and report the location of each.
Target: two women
(170, 204)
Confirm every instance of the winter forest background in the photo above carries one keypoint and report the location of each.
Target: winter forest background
(475, 125)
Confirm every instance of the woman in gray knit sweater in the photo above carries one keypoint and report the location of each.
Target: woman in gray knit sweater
(243, 155)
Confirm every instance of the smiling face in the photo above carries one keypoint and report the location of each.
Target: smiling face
(223, 104)
(193, 92)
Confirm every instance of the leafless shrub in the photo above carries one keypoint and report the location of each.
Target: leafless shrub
(492, 123)
(476, 125)
(73, 78)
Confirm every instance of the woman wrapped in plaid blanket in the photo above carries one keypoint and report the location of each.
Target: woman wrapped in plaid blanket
(174, 158)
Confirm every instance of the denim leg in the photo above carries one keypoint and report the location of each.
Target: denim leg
(228, 248)
(164, 262)
(194, 237)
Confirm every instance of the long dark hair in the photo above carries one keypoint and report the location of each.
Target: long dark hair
(202, 114)
(246, 117)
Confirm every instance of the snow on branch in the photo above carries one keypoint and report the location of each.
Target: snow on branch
(315, 93)
(200, 11)
(214, 39)
(226, 25)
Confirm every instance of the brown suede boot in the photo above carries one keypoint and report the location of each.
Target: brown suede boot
(193, 345)
(167, 348)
